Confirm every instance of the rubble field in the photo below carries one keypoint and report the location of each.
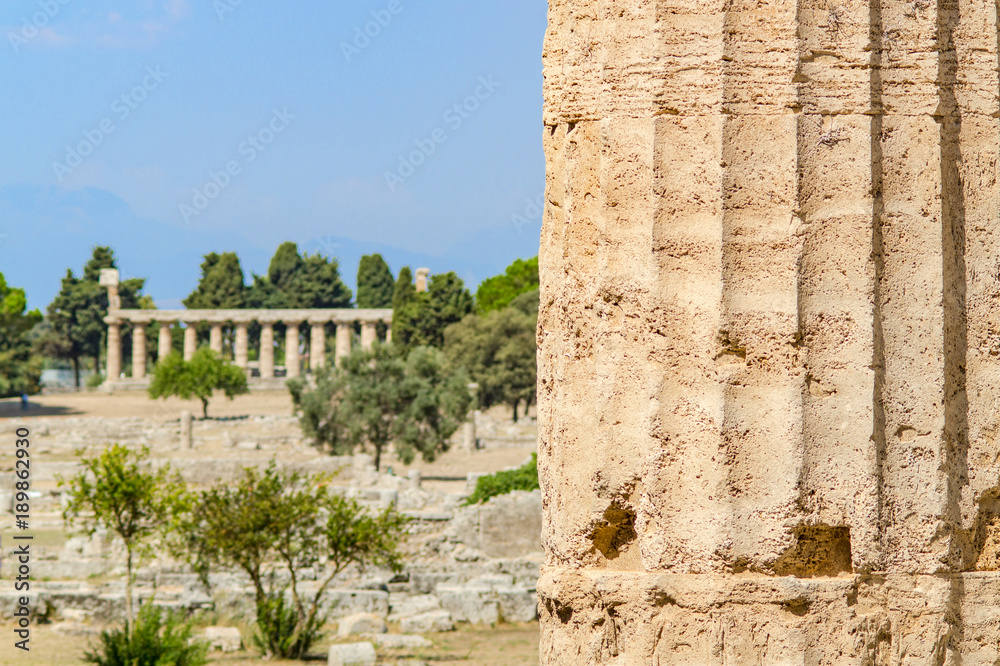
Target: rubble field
(470, 568)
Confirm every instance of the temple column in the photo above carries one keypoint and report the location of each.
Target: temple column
(215, 339)
(343, 340)
(267, 350)
(369, 334)
(292, 348)
(241, 354)
(166, 343)
(114, 351)
(422, 274)
(138, 351)
(317, 346)
(190, 341)
(388, 334)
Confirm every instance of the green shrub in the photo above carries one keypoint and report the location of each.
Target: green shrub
(524, 477)
(95, 380)
(158, 639)
(279, 632)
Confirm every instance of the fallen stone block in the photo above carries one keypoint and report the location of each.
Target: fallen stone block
(518, 604)
(361, 623)
(352, 654)
(476, 605)
(403, 606)
(223, 639)
(430, 622)
(401, 641)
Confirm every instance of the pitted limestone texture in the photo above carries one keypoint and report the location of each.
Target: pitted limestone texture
(768, 329)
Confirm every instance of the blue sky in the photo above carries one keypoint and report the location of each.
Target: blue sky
(170, 128)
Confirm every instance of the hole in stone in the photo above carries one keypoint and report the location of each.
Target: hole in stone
(820, 550)
(562, 611)
(797, 607)
(570, 126)
(661, 599)
(614, 532)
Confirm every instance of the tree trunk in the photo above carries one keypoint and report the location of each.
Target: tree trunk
(204, 407)
(516, 403)
(378, 457)
(76, 371)
(128, 595)
(97, 364)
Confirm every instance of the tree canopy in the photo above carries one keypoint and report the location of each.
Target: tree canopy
(419, 318)
(198, 378)
(497, 292)
(294, 281)
(20, 371)
(375, 283)
(118, 492)
(381, 396)
(498, 351)
(221, 284)
(77, 312)
(294, 521)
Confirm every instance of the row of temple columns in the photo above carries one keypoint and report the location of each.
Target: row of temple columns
(317, 345)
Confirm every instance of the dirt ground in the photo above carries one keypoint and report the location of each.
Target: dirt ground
(502, 645)
(126, 404)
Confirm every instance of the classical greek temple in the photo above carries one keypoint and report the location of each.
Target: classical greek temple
(345, 321)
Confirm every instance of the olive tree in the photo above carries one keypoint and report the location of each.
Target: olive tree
(278, 521)
(198, 378)
(118, 491)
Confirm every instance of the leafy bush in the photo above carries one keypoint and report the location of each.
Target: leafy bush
(158, 639)
(95, 380)
(275, 524)
(278, 630)
(524, 477)
(205, 373)
(384, 395)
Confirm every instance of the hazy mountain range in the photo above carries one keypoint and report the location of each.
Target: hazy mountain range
(44, 230)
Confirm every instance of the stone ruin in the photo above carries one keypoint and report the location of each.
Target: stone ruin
(769, 356)
(476, 564)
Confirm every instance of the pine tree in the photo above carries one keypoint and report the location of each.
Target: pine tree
(20, 372)
(77, 312)
(375, 283)
(221, 284)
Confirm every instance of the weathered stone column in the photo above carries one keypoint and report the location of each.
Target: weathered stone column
(215, 339)
(317, 345)
(190, 341)
(343, 340)
(241, 353)
(114, 364)
(421, 281)
(369, 334)
(769, 360)
(292, 348)
(388, 333)
(165, 344)
(266, 350)
(187, 441)
(138, 351)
